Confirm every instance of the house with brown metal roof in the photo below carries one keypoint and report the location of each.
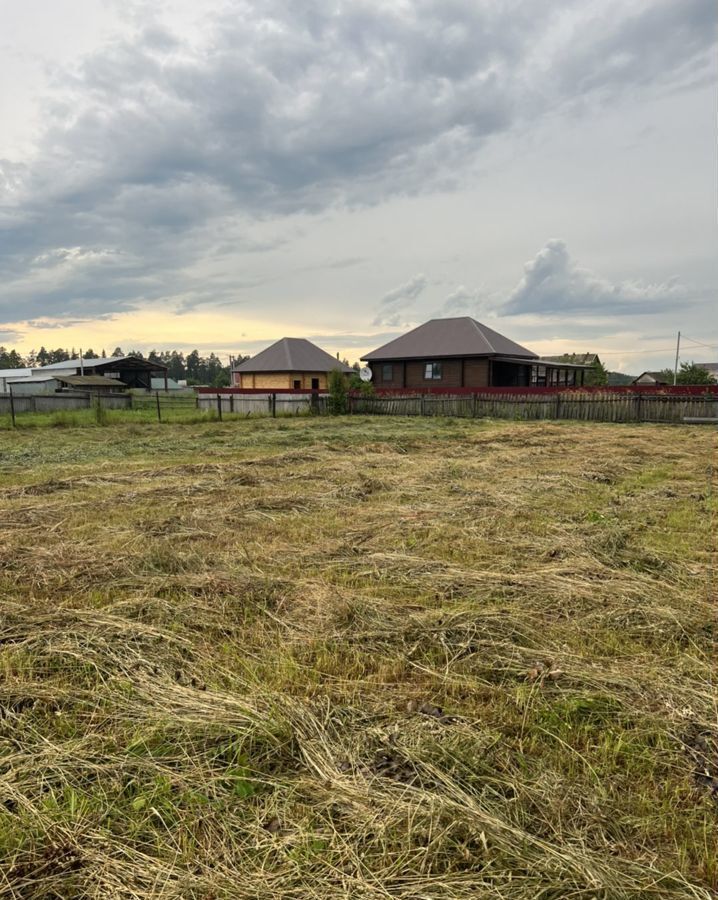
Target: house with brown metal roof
(288, 364)
(463, 353)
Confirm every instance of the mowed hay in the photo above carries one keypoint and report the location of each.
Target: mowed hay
(361, 658)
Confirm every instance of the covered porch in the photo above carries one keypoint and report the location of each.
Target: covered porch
(520, 372)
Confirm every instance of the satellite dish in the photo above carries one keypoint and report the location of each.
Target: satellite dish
(365, 373)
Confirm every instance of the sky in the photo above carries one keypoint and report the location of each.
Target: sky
(222, 174)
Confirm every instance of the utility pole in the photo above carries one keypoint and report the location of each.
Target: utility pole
(675, 368)
(82, 368)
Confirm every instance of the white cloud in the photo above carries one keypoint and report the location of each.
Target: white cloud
(553, 284)
(398, 299)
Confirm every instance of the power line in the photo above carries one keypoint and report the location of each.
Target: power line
(656, 350)
(634, 352)
(700, 343)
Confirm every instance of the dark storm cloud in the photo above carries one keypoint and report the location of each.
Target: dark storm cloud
(649, 43)
(158, 148)
(552, 284)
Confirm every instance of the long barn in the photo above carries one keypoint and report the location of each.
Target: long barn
(131, 371)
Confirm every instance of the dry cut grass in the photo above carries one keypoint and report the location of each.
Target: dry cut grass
(358, 659)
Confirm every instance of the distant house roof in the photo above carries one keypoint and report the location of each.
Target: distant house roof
(650, 378)
(579, 359)
(462, 336)
(292, 355)
(711, 367)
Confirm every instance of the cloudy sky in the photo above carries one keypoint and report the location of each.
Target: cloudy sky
(346, 169)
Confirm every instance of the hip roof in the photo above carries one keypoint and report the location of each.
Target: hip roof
(462, 336)
(292, 355)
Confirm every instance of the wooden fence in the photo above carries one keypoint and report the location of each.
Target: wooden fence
(590, 407)
(269, 403)
(45, 403)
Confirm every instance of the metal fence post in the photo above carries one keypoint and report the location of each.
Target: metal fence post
(219, 405)
(274, 405)
(12, 407)
(231, 403)
(157, 398)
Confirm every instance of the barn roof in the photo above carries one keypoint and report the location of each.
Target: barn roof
(90, 381)
(48, 377)
(15, 373)
(292, 355)
(96, 362)
(462, 336)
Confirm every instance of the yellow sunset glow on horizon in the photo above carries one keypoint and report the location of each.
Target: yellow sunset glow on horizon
(222, 332)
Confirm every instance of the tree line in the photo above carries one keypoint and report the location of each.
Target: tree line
(192, 368)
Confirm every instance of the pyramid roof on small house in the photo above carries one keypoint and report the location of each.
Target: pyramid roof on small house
(292, 355)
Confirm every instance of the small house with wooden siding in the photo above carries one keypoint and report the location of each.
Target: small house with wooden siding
(289, 364)
(462, 353)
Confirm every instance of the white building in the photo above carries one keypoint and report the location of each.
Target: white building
(13, 375)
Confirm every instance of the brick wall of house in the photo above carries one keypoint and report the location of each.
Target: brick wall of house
(280, 381)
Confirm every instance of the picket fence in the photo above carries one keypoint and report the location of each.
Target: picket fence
(590, 407)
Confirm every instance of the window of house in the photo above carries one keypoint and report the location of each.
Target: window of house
(387, 372)
(297, 384)
(432, 371)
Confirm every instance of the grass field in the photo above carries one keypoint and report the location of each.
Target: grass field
(357, 658)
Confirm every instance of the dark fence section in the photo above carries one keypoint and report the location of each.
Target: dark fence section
(591, 406)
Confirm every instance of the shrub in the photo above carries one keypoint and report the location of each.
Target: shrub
(337, 402)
